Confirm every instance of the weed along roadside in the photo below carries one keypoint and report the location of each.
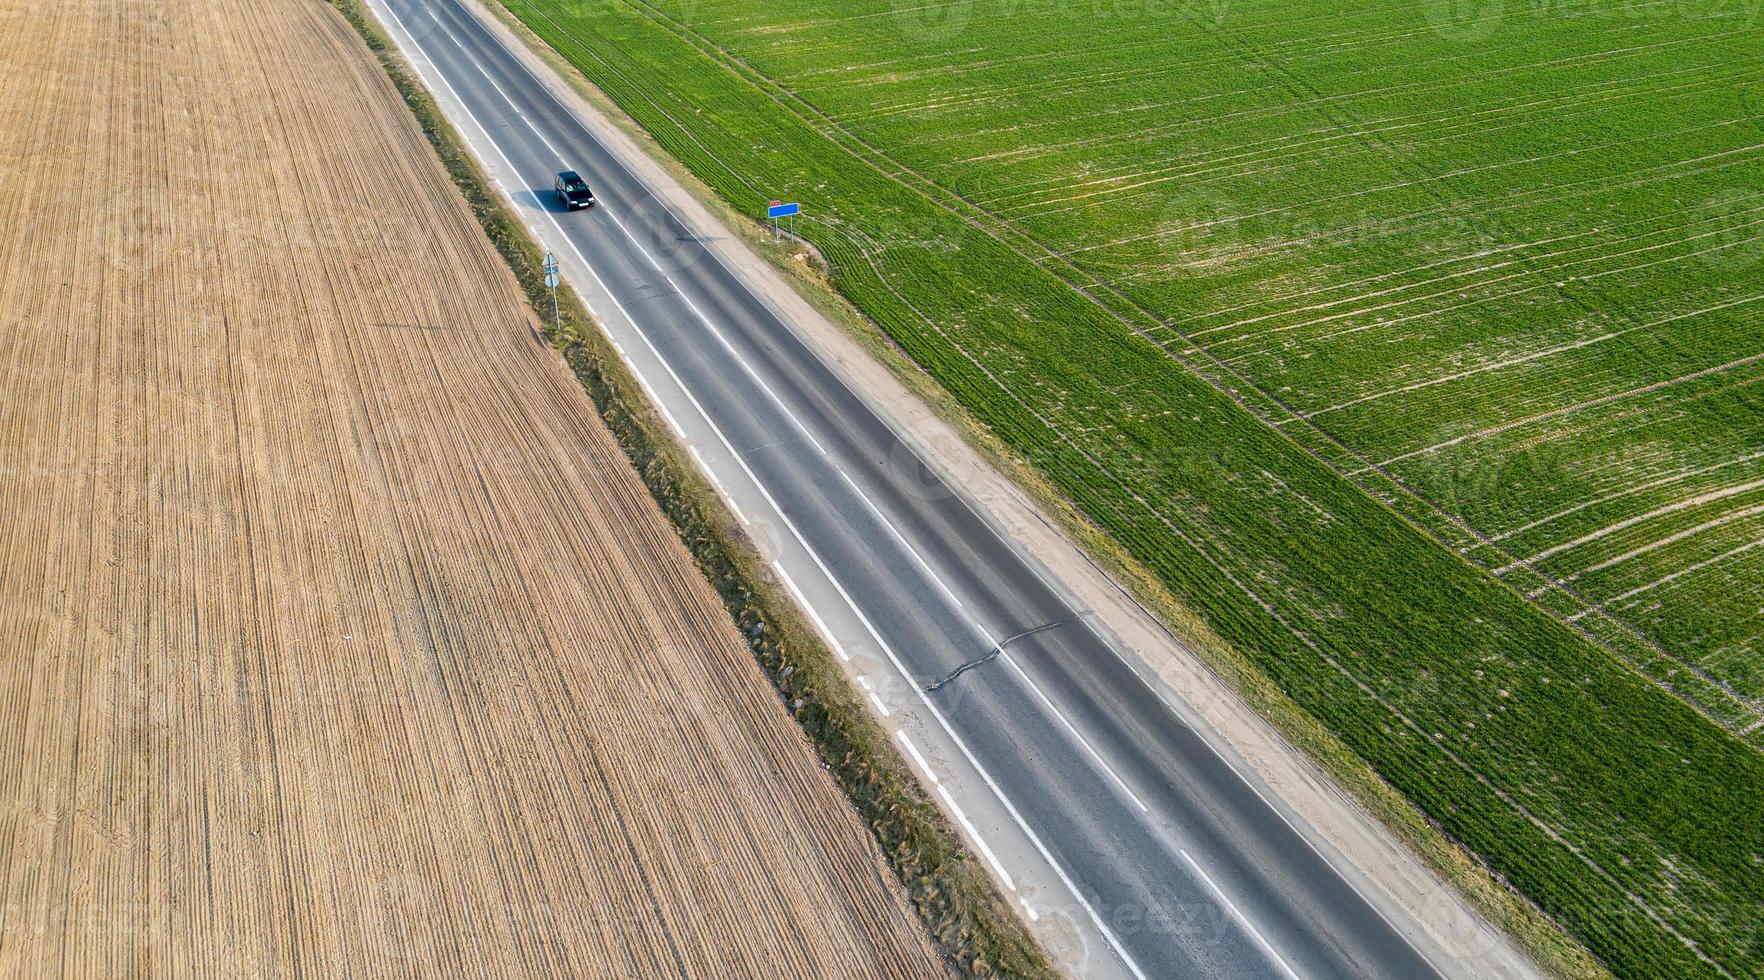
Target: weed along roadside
(955, 897)
(1448, 683)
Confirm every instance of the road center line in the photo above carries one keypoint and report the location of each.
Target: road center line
(1232, 908)
(993, 643)
(1096, 919)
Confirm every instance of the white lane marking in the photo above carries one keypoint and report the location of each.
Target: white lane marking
(986, 777)
(638, 244)
(1030, 564)
(803, 603)
(1237, 914)
(961, 745)
(804, 430)
(992, 642)
(914, 552)
(722, 491)
(979, 841)
(784, 321)
(879, 705)
(1094, 754)
(737, 355)
(913, 750)
(1222, 757)
(673, 423)
(511, 103)
(870, 690)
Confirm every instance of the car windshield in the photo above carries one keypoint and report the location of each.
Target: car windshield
(575, 185)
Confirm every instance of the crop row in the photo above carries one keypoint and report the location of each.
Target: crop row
(1571, 775)
(1430, 239)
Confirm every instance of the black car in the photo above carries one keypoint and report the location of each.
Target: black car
(572, 191)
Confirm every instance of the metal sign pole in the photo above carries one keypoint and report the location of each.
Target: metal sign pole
(778, 210)
(551, 284)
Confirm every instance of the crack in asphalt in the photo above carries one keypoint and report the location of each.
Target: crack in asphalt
(997, 649)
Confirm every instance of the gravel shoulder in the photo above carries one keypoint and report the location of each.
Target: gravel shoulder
(1168, 644)
(337, 636)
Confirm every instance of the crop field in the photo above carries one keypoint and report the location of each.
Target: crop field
(1416, 346)
(337, 636)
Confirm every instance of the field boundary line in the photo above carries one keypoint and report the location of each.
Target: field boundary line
(968, 919)
(568, 39)
(924, 187)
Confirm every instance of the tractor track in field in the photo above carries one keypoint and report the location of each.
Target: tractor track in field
(337, 635)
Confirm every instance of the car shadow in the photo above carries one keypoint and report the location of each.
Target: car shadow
(548, 197)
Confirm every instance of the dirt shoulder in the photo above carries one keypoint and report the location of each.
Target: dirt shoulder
(337, 635)
(1358, 819)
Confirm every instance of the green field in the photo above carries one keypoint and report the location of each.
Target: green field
(1415, 346)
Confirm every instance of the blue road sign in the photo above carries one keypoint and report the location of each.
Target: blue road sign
(783, 210)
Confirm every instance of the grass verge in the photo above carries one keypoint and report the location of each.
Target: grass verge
(1624, 814)
(1558, 953)
(965, 914)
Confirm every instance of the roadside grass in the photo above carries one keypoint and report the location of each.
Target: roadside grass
(1621, 812)
(1558, 953)
(960, 905)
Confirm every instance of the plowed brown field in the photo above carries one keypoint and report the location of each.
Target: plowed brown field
(337, 637)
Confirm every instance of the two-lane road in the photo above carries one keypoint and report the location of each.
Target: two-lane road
(1092, 801)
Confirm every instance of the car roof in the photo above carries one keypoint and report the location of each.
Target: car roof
(569, 175)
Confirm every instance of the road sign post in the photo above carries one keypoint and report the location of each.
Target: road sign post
(781, 210)
(551, 284)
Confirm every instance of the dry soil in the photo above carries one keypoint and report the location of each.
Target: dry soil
(336, 635)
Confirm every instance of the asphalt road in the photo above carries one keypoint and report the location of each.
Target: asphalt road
(1180, 864)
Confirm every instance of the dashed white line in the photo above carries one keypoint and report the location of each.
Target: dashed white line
(1237, 914)
(870, 690)
(635, 241)
(722, 491)
(913, 751)
(979, 841)
(1016, 816)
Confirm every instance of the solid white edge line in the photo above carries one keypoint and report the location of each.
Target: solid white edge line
(722, 491)
(1017, 817)
(991, 642)
(1301, 835)
(880, 417)
(802, 601)
(638, 244)
(998, 867)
